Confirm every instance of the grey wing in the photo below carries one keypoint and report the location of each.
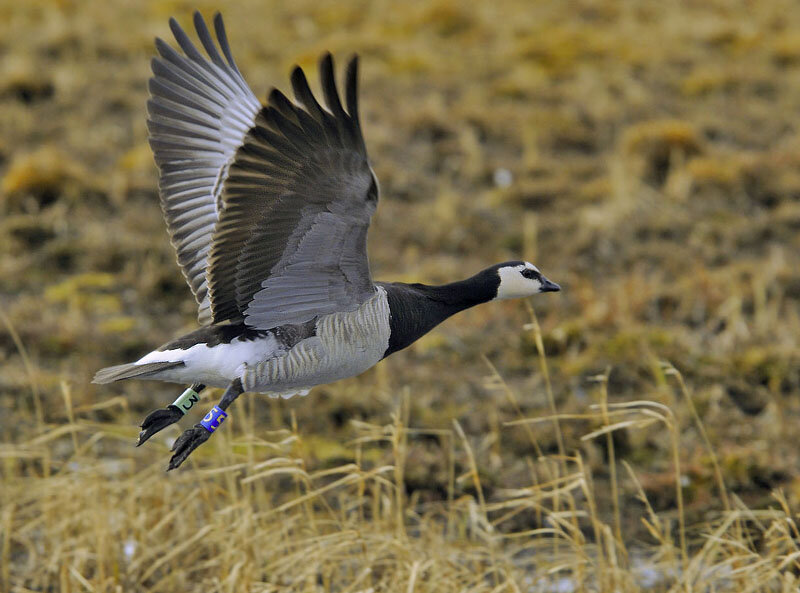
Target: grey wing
(290, 244)
(198, 115)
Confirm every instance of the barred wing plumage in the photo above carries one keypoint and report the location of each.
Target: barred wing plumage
(199, 113)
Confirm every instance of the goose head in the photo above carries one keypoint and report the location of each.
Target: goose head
(517, 279)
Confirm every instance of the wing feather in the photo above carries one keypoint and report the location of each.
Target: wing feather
(199, 112)
(290, 244)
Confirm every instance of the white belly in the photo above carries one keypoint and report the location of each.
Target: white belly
(216, 366)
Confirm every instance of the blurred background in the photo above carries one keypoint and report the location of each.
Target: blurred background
(644, 155)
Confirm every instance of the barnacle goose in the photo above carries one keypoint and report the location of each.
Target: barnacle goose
(268, 209)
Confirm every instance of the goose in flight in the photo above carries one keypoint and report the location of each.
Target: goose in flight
(268, 208)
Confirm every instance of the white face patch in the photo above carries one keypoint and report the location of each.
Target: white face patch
(514, 285)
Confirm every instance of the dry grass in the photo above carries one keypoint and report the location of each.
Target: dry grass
(253, 515)
(644, 155)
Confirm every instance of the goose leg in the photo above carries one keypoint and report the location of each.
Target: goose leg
(200, 432)
(158, 420)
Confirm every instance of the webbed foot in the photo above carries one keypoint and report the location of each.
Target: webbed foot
(186, 443)
(158, 420)
(199, 433)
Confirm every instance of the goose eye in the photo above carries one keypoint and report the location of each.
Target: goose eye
(531, 274)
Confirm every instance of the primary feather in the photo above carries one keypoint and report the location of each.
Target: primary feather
(198, 115)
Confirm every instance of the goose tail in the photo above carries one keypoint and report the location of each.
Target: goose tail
(132, 371)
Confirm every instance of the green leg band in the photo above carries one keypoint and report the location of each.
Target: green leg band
(186, 400)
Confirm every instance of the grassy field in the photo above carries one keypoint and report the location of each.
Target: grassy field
(635, 432)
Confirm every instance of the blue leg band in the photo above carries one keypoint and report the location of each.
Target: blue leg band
(213, 419)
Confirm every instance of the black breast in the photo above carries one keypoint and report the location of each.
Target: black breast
(414, 311)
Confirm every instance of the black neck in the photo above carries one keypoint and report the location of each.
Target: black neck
(415, 309)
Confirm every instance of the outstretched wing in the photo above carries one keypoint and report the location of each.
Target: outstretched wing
(290, 243)
(199, 113)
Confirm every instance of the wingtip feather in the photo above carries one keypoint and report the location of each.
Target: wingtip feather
(302, 91)
(351, 88)
(222, 38)
(174, 26)
(327, 77)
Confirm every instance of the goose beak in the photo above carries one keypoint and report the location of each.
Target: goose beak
(548, 286)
